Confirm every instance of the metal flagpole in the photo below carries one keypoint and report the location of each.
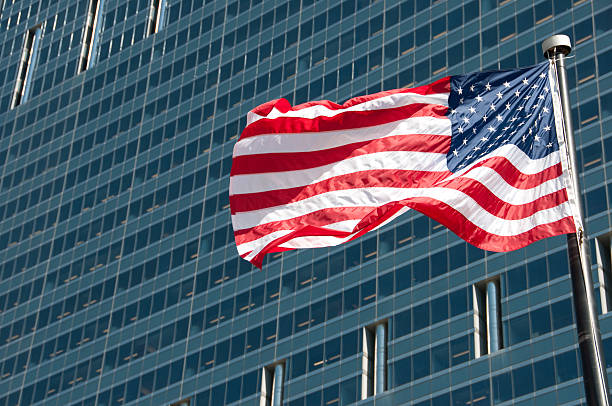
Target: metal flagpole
(587, 323)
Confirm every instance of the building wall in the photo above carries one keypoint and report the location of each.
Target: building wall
(119, 279)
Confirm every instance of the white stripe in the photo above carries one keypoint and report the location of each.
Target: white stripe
(385, 102)
(257, 245)
(518, 158)
(346, 226)
(391, 160)
(466, 206)
(315, 241)
(508, 193)
(312, 241)
(316, 141)
(378, 196)
(488, 177)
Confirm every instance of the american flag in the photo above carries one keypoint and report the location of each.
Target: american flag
(478, 153)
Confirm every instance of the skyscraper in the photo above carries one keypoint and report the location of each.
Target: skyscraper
(119, 278)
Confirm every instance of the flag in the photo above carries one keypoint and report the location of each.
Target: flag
(479, 153)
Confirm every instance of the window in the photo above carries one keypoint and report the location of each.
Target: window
(604, 263)
(184, 402)
(157, 14)
(91, 35)
(26, 66)
(487, 317)
(374, 374)
(272, 385)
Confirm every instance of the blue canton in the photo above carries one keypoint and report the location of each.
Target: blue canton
(490, 109)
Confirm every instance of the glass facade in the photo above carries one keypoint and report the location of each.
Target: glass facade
(119, 278)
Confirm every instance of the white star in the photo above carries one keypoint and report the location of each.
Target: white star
(453, 111)
(535, 106)
(472, 109)
(542, 75)
(484, 118)
(521, 124)
(461, 100)
(484, 139)
(465, 141)
(499, 95)
(527, 97)
(524, 138)
(517, 93)
(455, 153)
(519, 108)
(478, 98)
(466, 120)
(530, 130)
(541, 97)
(476, 148)
(474, 130)
(492, 106)
(490, 128)
(547, 128)
(488, 86)
(472, 88)
(506, 84)
(506, 129)
(545, 109)
(525, 81)
(513, 119)
(549, 145)
(460, 129)
(499, 117)
(534, 86)
(507, 106)
(536, 138)
(460, 90)
(546, 89)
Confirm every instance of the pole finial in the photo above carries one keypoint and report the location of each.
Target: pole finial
(556, 43)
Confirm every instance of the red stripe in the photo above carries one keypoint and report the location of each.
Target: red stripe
(273, 246)
(342, 121)
(447, 216)
(281, 162)
(282, 105)
(513, 176)
(388, 178)
(316, 219)
(466, 230)
(379, 177)
(499, 208)
(483, 197)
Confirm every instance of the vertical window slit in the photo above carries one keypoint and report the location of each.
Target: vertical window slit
(272, 385)
(157, 14)
(487, 317)
(184, 402)
(27, 65)
(374, 360)
(604, 272)
(91, 35)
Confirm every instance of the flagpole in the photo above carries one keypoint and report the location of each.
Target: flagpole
(556, 48)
